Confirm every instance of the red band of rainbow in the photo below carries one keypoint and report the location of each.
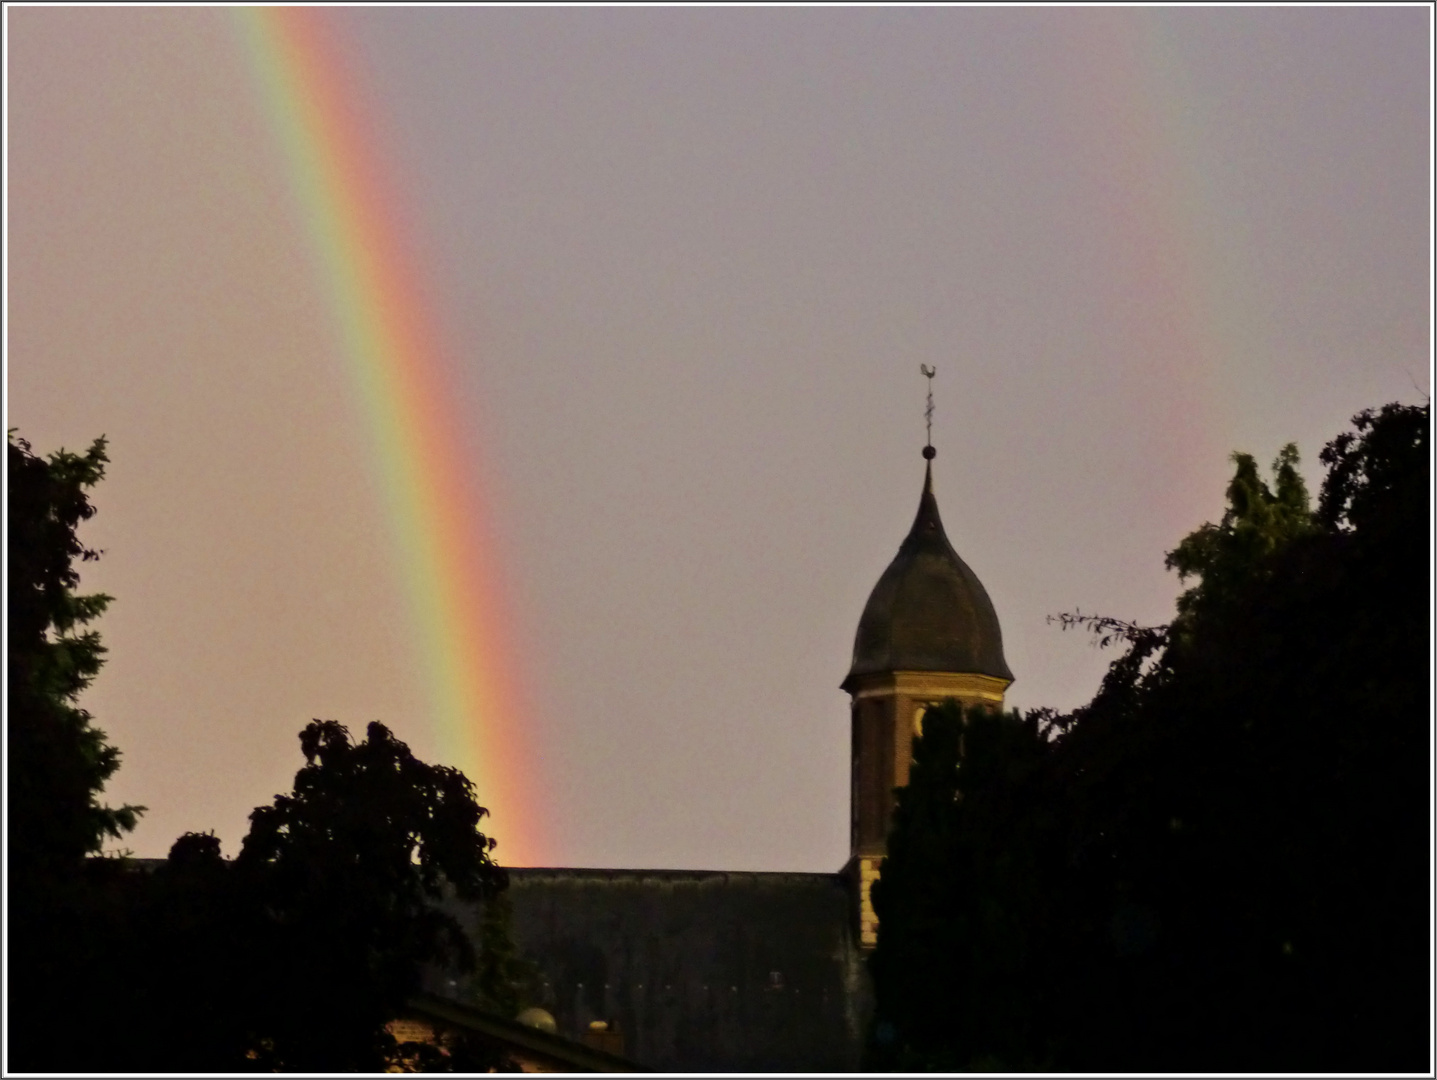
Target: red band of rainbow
(401, 375)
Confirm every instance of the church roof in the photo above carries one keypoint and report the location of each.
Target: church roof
(699, 970)
(929, 611)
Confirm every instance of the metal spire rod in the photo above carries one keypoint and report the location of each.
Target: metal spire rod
(928, 373)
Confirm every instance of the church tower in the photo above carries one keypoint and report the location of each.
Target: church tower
(928, 633)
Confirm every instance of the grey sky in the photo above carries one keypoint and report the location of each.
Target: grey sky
(693, 259)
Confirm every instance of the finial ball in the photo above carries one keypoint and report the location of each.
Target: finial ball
(929, 453)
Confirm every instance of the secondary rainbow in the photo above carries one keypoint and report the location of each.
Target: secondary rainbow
(1136, 157)
(402, 378)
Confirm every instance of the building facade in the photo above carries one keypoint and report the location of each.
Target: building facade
(703, 971)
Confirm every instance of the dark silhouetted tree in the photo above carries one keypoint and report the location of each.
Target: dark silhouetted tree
(297, 954)
(67, 936)
(503, 980)
(961, 930)
(344, 878)
(1229, 848)
(58, 761)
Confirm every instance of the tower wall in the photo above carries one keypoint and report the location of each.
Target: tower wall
(887, 711)
(928, 634)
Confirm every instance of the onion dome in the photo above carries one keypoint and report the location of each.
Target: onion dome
(929, 611)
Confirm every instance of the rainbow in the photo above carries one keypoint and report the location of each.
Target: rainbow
(1180, 267)
(401, 375)
(1128, 135)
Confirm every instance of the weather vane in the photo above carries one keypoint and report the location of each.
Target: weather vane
(928, 374)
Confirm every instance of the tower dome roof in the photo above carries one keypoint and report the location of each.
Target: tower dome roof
(929, 611)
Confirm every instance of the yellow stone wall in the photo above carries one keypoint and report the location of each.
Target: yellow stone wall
(867, 919)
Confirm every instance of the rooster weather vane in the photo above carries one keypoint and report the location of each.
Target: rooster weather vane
(928, 374)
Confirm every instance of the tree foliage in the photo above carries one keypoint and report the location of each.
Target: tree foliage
(503, 980)
(957, 917)
(349, 870)
(1227, 851)
(65, 934)
(1229, 557)
(58, 761)
(315, 937)
(293, 956)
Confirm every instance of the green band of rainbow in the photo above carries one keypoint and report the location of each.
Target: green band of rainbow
(399, 370)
